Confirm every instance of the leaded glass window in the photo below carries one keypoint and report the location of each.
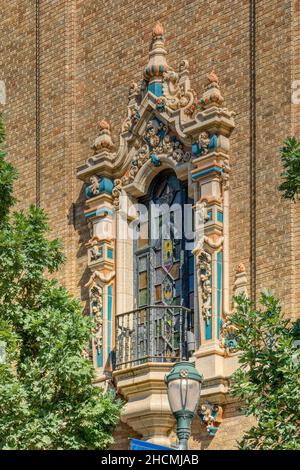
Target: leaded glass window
(164, 268)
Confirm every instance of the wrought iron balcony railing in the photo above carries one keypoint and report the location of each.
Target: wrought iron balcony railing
(156, 333)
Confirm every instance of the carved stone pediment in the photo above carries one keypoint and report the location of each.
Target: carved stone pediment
(166, 124)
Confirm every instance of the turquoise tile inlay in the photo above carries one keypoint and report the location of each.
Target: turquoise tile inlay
(207, 172)
(191, 265)
(103, 210)
(220, 216)
(106, 185)
(219, 290)
(208, 323)
(156, 88)
(109, 319)
(99, 357)
(110, 253)
(196, 149)
(191, 282)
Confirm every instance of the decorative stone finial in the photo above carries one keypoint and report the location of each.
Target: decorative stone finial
(103, 141)
(211, 416)
(240, 268)
(212, 95)
(213, 77)
(98, 185)
(240, 284)
(158, 30)
(172, 89)
(103, 124)
(157, 64)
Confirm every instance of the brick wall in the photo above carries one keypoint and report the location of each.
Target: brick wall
(91, 51)
(295, 45)
(17, 69)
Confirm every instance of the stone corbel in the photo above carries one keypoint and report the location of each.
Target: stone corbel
(211, 416)
(241, 281)
(103, 277)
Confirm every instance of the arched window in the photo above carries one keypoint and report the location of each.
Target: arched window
(164, 264)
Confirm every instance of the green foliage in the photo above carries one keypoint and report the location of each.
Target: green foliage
(290, 157)
(47, 396)
(268, 380)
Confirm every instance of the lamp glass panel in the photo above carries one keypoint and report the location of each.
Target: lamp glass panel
(183, 392)
(174, 395)
(193, 394)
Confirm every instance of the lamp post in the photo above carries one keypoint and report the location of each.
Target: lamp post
(184, 386)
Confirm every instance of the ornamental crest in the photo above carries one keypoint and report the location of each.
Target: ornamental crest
(211, 416)
(157, 140)
(167, 125)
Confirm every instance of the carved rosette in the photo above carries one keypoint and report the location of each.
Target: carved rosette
(157, 141)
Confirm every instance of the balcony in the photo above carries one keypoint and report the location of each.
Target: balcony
(148, 341)
(152, 334)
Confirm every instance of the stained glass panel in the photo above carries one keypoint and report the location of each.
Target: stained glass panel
(191, 264)
(142, 242)
(158, 293)
(167, 254)
(143, 280)
(176, 251)
(178, 287)
(191, 282)
(166, 275)
(143, 297)
(168, 291)
(143, 235)
(159, 275)
(175, 271)
(142, 316)
(158, 258)
(142, 263)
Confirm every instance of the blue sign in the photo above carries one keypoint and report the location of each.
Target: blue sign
(136, 444)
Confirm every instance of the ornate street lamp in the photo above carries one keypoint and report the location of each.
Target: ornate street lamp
(184, 386)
